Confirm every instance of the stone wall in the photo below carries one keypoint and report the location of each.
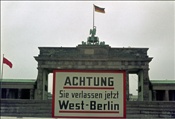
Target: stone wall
(43, 109)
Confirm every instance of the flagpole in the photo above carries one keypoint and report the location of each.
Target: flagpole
(0, 60)
(2, 67)
(93, 15)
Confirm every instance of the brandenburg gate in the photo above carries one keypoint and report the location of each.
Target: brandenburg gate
(94, 55)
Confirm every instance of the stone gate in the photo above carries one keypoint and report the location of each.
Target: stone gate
(94, 57)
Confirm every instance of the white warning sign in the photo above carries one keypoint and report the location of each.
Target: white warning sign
(89, 94)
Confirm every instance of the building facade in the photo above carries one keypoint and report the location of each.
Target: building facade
(17, 88)
(163, 90)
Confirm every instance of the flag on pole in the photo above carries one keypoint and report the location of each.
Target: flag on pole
(7, 62)
(98, 9)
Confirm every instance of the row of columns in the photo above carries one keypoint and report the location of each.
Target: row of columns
(11, 95)
(163, 95)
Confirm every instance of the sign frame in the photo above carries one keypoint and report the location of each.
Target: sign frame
(123, 72)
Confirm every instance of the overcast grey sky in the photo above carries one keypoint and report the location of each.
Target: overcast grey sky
(25, 26)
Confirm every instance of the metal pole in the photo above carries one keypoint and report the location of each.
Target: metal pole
(1, 78)
(2, 67)
(93, 16)
(0, 59)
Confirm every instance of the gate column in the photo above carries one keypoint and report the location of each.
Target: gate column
(127, 85)
(42, 84)
(143, 85)
(146, 90)
(39, 83)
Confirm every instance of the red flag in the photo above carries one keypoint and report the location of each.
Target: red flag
(98, 9)
(7, 62)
